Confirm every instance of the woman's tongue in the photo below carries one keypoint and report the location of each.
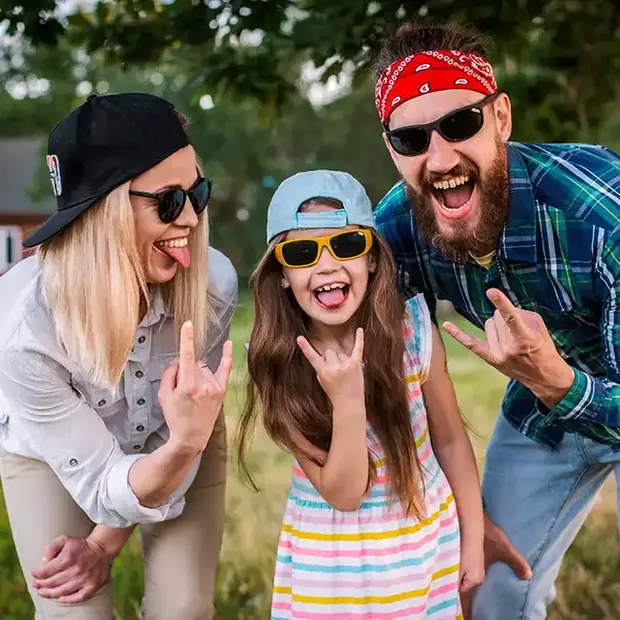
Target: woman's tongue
(456, 197)
(331, 299)
(180, 255)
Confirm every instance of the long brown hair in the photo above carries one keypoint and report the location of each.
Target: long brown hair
(284, 383)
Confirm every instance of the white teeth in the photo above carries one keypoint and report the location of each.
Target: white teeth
(329, 287)
(173, 243)
(442, 185)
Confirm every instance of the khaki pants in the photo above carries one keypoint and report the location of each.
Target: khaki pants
(180, 555)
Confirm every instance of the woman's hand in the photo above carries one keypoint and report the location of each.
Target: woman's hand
(341, 376)
(73, 570)
(191, 396)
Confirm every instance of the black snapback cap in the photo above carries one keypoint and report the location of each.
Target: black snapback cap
(105, 142)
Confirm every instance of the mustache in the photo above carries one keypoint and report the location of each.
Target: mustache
(460, 170)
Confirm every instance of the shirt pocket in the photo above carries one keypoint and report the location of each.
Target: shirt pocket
(155, 369)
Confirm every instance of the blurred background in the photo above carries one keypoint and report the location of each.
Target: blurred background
(272, 87)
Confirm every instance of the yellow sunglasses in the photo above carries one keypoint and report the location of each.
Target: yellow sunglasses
(306, 251)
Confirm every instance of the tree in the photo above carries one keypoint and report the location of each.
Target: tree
(559, 59)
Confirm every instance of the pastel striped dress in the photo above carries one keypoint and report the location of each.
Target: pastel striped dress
(374, 563)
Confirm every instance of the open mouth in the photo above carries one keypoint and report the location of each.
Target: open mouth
(176, 249)
(454, 195)
(332, 295)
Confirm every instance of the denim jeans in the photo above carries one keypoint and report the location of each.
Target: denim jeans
(540, 498)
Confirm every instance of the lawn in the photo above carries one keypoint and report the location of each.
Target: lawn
(588, 587)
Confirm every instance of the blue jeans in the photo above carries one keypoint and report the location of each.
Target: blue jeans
(540, 498)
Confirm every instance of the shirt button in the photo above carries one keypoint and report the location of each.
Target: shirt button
(137, 447)
(73, 462)
(139, 428)
(139, 374)
(141, 339)
(141, 401)
(101, 403)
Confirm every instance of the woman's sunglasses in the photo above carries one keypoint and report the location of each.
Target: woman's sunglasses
(455, 126)
(170, 202)
(306, 252)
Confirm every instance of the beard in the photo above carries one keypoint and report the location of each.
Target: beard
(464, 239)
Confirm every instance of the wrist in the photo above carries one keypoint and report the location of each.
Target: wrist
(183, 448)
(556, 386)
(354, 404)
(103, 548)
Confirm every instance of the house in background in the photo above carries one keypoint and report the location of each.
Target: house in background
(19, 214)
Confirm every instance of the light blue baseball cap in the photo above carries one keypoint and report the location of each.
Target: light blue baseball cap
(283, 214)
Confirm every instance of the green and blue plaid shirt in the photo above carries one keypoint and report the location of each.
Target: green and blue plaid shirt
(559, 256)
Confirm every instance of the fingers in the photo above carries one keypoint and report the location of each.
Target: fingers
(468, 584)
(516, 562)
(311, 355)
(509, 313)
(66, 589)
(222, 374)
(169, 378)
(494, 340)
(475, 345)
(187, 357)
(83, 594)
(358, 348)
(55, 581)
(53, 549)
(51, 567)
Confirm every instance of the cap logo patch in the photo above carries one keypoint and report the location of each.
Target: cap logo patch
(54, 167)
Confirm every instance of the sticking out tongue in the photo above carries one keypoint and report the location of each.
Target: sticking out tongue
(456, 197)
(332, 298)
(180, 255)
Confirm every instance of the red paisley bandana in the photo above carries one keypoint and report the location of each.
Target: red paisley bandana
(428, 72)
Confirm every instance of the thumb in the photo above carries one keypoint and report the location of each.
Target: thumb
(54, 548)
(517, 563)
(169, 378)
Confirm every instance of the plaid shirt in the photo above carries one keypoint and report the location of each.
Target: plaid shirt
(559, 256)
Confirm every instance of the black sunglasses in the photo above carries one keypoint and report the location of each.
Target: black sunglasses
(170, 202)
(456, 126)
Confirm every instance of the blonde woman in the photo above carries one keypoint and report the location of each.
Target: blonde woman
(109, 416)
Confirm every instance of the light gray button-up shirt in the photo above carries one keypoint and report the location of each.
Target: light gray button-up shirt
(90, 437)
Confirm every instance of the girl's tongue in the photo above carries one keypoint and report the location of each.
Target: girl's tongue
(180, 255)
(333, 298)
(456, 197)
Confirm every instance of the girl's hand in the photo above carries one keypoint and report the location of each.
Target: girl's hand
(73, 570)
(190, 395)
(472, 573)
(341, 376)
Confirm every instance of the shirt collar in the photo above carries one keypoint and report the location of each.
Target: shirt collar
(158, 308)
(518, 241)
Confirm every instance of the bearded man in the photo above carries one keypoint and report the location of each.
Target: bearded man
(524, 240)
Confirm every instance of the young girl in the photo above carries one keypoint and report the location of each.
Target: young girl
(353, 382)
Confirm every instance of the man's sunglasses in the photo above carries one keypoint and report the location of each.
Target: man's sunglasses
(170, 202)
(306, 252)
(456, 126)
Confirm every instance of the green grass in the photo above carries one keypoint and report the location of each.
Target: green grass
(588, 587)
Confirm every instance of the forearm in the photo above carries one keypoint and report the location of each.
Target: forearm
(458, 463)
(344, 475)
(154, 477)
(111, 539)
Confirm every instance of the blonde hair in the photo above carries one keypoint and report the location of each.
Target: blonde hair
(95, 287)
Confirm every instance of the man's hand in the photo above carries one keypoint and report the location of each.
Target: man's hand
(497, 548)
(519, 345)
